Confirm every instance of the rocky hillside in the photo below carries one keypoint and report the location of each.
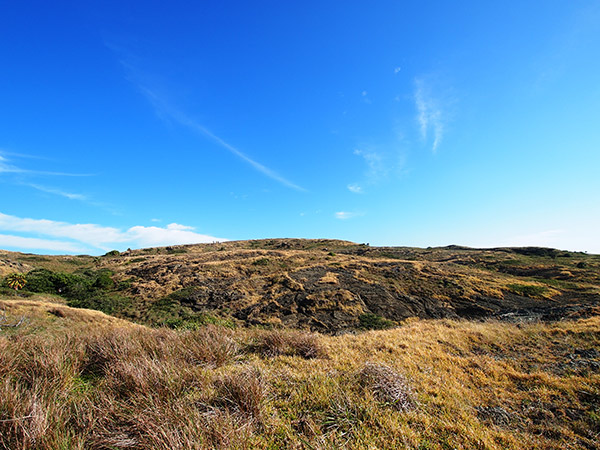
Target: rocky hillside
(325, 285)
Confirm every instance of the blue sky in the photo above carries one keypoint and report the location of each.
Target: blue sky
(135, 124)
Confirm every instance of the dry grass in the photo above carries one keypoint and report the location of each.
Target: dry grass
(388, 386)
(288, 342)
(48, 307)
(434, 384)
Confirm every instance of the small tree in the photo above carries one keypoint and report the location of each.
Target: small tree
(16, 281)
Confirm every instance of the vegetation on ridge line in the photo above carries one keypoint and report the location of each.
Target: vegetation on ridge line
(325, 285)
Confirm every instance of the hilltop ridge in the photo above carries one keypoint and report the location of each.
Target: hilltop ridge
(330, 285)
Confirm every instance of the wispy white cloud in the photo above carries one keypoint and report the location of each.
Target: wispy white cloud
(376, 167)
(168, 112)
(345, 215)
(355, 188)
(8, 166)
(383, 161)
(429, 113)
(93, 236)
(397, 70)
(58, 192)
(164, 108)
(365, 96)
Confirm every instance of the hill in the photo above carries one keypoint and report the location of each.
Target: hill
(524, 374)
(322, 285)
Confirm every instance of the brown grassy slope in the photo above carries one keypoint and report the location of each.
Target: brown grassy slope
(48, 308)
(328, 285)
(430, 384)
(23, 262)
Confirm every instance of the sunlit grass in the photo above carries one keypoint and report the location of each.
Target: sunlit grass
(80, 379)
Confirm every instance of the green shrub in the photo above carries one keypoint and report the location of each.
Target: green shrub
(261, 262)
(527, 290)
(48, 282)
(196, 321)
(171, 311)
(86, 289)
(107, 303)
(9, 292)
(104, 280)
(370, 321)
(176, 250)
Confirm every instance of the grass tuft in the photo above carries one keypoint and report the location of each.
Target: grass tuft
(388, 386)
(289, 343)
(242, 392)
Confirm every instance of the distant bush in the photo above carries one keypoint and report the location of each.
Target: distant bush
(176, 250)
(107, 303)
(113, 253)
(87, 289)
(47, 282)
(261, 262)
(527, 290)
(174, 311)
(104, 280)
(370, 321)
(9, 292)
(195, 321)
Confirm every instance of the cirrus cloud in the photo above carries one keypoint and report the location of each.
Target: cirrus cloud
(345, 215)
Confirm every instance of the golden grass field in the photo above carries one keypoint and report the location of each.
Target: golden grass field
(78, 379)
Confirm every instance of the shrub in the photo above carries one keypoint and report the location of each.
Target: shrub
(195, 321)
(104, 279)
(175, 311)
(261, 262)
(9, 292)
(176, 250)
(87, 289)
(527, 290)
(48, 282)
(15, 281)
(370, 321)
(107, 303)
